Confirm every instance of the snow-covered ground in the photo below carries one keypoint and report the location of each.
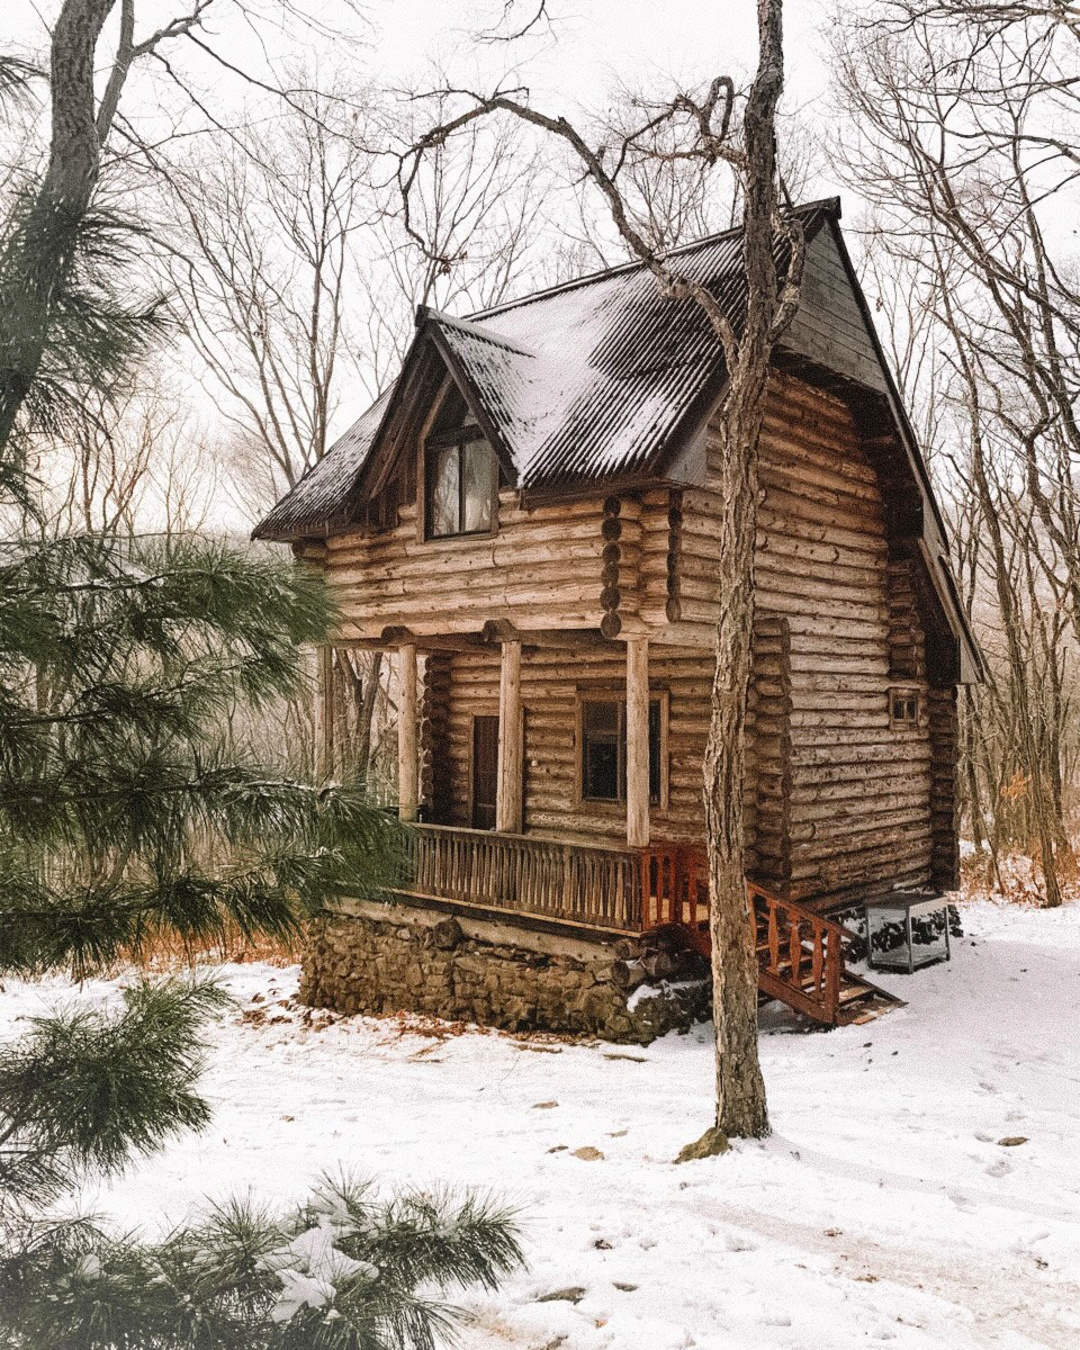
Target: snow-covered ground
(882, 1209)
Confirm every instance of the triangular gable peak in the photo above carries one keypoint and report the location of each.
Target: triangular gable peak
(434, 395)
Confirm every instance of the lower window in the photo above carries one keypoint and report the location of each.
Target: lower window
(603, 749)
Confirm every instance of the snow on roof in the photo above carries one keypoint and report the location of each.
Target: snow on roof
(581, 382)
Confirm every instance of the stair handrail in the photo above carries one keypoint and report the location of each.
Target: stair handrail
(827, 952)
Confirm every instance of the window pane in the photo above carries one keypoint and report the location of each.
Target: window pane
(654, 750)
(602, 770)
(601, 752)
(445, 482)
(479, 485)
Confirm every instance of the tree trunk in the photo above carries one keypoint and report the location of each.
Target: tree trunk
(740, 1089)
(40, 249)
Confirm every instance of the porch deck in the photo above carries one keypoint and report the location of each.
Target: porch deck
(615, 892)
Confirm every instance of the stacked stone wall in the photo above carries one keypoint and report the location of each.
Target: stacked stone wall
(409, 962)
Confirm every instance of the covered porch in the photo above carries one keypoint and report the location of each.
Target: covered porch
(506, 712)
(621, 769)
(613, 893)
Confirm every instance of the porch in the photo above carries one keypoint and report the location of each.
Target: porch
(613, 893)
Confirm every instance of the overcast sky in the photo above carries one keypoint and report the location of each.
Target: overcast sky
(597, 41)
(591, 48)
(594, 43)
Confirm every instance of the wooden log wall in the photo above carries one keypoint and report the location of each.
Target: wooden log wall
(858, 816)
(550, 680)
(768, 752)
(840, 803)
(907, 641)
(944, 740)
(435, 768)
(542, 569)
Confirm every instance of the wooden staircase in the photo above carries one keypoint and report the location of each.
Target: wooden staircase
(801, 957)
(801, 962)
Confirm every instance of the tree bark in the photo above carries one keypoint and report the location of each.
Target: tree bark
(740, 1090)
(40, 249)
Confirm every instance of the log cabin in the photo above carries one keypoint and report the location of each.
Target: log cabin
(527, 519)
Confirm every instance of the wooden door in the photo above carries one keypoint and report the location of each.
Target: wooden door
(485, 771)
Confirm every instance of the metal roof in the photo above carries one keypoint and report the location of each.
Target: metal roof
(582, 382)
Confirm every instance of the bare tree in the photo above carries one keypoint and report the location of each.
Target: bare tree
(471, 230)
(962, 126)
(710, 132)
(669, 198)
(54, 297)
(262, 265)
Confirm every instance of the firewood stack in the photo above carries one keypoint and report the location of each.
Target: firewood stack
(661, 954)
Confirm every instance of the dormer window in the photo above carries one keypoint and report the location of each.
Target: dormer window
(462, 484)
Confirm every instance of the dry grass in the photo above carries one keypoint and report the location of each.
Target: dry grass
(167, 952)
(1016, 880)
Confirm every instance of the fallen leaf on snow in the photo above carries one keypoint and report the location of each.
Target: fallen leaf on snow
(572, 1294)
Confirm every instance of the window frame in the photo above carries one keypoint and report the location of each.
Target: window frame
(904, 694)
(584, 695)
(459, 439)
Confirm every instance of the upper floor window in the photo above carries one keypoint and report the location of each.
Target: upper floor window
(462, 483)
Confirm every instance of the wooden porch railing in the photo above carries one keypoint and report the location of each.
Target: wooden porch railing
(675, 889)
(572, 883)
(800, 954)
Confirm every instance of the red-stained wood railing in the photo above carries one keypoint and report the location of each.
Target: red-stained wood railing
(800, 955)
(675, 890)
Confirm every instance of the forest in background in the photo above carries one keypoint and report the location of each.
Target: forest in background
(276, 241)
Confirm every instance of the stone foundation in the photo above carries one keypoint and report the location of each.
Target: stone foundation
(379, 958)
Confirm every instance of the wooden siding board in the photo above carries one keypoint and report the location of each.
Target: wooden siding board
(829, 328)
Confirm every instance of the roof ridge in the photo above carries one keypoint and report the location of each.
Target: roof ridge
(424, 313)
(829, 205)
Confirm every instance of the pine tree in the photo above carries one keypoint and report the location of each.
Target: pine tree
(123, 814)
(346, 1271)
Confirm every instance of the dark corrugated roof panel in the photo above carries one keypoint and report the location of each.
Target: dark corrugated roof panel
(317, 501)
(581, 382)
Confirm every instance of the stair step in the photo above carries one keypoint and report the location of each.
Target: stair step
(849, 993)
(857, 1000)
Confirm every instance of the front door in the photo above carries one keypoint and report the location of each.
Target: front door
(485, 771)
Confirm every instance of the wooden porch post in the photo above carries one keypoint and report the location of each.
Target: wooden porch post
(637, 742)
(508, 804)
(324, 711)
(408, 769)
